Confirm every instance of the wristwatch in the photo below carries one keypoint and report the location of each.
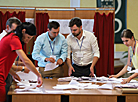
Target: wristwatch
(22, 69)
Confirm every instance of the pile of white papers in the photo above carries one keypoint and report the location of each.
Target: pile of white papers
(26, 87)
(27, 76)
(128, 85)
(76, 85)
(66, 79)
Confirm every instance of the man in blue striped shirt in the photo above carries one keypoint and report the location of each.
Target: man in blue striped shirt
(50, 47)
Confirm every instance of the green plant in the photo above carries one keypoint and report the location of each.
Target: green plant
(125, 53)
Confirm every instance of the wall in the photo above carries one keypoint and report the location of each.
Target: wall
(131, 22)
(36, 3)
(46, 3)
(88, 3)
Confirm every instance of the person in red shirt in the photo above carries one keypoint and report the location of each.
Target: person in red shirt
(10, 47)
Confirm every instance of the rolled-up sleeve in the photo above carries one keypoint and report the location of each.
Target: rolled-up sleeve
(69, 48)
(36, 50)
(64, 50)
(95, 47)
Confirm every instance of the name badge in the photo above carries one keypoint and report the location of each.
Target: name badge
(79, 54)
(53, 56)
(129, 68)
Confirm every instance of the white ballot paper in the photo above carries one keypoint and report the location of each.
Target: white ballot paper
(27, 88)
(106, 86)
(50, 66)
(27, 76)
(133, 71)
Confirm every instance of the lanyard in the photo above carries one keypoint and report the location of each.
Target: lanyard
(132, 53)
(81, 42)
(52, 48)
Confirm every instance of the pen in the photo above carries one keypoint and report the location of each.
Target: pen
(108, 75)
(94, 76)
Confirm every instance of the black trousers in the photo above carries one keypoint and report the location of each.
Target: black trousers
(82, 70)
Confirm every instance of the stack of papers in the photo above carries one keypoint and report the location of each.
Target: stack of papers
(128, 85)
(76, 85)
(66, 79)
(96, 80)
(29, 89)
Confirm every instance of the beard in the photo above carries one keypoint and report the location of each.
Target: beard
(77, 34)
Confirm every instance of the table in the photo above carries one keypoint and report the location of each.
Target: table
(93, 95)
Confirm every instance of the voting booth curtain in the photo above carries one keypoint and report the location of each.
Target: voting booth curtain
(42, 20)
(104, 31)
(4, 17)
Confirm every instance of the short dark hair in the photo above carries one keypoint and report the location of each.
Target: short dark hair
(127, 33)
(53, 24)
(75, 21)
(12, 20)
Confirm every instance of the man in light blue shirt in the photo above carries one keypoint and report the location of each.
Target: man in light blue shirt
(50, 47)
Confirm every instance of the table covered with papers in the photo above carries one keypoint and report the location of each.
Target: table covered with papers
(71, 89)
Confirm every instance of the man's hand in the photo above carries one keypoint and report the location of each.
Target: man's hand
(59, 61)
(70, 70)
(92, 71)
(52, 60)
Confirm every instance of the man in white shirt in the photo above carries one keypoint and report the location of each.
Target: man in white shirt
(84, 48)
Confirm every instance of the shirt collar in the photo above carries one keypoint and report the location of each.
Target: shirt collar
(49, 37)
(83, 35)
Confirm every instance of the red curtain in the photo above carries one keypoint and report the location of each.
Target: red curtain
(42, 20)
(104, 31)
(4, 17)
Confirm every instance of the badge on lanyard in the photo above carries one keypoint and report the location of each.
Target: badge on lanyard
(52, 48)
(53, 56)
(129, 68)
(80, 54)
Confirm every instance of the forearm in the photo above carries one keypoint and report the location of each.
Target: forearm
(69, 63)
(16, 68)
(95, 59)
(12, 72)
(19, 63)
(123, 71)
(28, 63)
(133, 75)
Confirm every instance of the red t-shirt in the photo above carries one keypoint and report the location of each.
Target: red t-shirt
(8, 45)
